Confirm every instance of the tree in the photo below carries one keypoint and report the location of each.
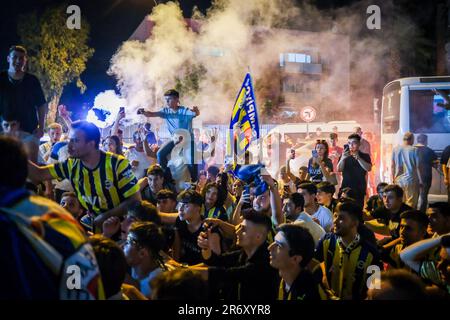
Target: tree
(57, 54)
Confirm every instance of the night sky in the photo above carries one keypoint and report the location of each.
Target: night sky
(111, 21)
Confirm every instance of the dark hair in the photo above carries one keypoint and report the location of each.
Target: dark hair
(111, 261)
(144, 211)
(325, 143)
(395, 188)
(213, 170)
(333, 135)
(166, 194)
(91, 131)
(352, 208)
(150, 236)
(300, 242)
(172, 93)
(18, 48)
(404, 285)
(258, 218)
(155, 170)
(354, 136)
(297, 199)
(308, 186)
(190, 196)
(118, 143)
(222, 193)
(326, 187)
(202, 173)
(443, 207)
(14, 163)
(382, 185)
(418, 216)
(179, 284)
(348, 191)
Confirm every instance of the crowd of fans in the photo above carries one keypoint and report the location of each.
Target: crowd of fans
(232, 232)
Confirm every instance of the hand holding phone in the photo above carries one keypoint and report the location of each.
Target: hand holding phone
(346, 150)
(314, 153)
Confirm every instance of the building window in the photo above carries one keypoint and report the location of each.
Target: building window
(294, 58)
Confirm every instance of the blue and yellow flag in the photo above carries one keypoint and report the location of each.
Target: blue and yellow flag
(244, 126)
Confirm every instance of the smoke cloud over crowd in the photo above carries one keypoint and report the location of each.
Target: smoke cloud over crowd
(236, 36)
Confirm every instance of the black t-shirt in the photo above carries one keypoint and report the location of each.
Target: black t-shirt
(445, 155)
(190, 252)
(19, 100)
(391, 219)
(354, 176)
(315, 172)
(426, 158)
(305, 288)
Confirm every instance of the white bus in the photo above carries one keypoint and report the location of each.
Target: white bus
(418, 105)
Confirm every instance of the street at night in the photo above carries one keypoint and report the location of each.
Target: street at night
(222, 153)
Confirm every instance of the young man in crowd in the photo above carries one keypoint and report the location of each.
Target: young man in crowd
(319, 213)
(427, 161)
(176, 117)
(293, 206)
(417, 257)
(388, 217)
(104, 183)
(112, 264)
(22, 99)
(413, 228)
(354, 165)
(144, 254)
(325, 192)
(375, 202)
(290, 254)
(155, 182)
(188, 226)
(439, 217)
(69, 201)
(54, 132)
(166, 201)
(244, 274)
(346, 255)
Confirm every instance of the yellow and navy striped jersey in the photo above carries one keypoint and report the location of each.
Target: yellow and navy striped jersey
(214, 212)
(102, 188)
(346, 273)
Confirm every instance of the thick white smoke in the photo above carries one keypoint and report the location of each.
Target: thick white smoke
(236, 36)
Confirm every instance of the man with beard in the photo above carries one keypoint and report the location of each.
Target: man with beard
(413, 228)
(346, 255)
(104, 183)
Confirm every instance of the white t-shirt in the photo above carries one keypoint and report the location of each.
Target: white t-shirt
(315, 229)
(144, 162)
(325, 218)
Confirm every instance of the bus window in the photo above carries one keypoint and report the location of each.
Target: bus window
(391, 108)
(427, 111)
